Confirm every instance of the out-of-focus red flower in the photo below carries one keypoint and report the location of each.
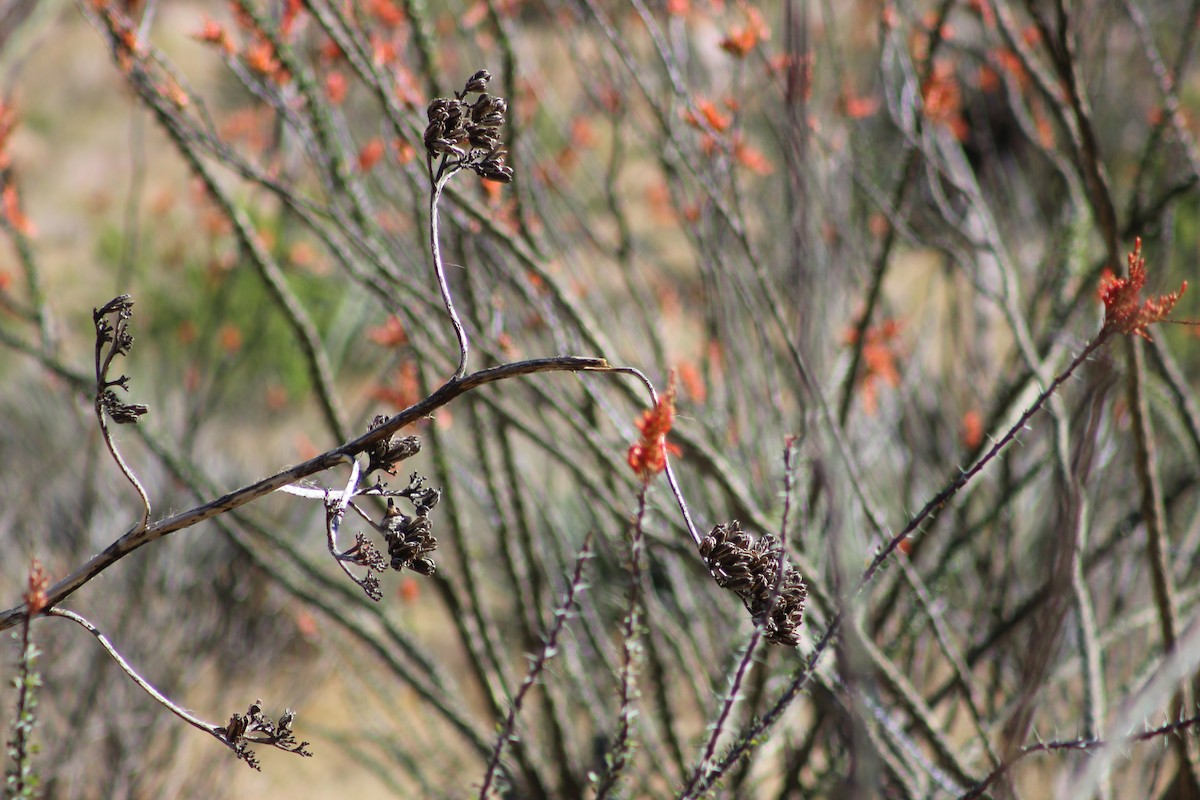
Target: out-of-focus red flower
(859, 106)
(213, 32)
(336, 87)
(387, 12)
(879, 360)
(707, 115)
(370, 154)
(941, 97)
(229, 337)
(12, 212)
(972, 429)
(403, 390)
(744, 38)
(390, 334)
(404, 151)
(751, 158)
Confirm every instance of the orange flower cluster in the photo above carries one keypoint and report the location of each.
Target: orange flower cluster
(648, 456)
(260, 57)
(742, 40)
(370, 154)
(215, 34)
(879, 360)
(35, 594)
(1124, 311)
(713, 123)
(707, 115)
(10, 207)
(942, 99)
(336, 87)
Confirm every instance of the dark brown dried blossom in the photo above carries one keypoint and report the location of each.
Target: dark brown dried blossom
(466, 134)
(751, 569)
(410, 538)
(386, 453)
(256, 728)
(114, 339)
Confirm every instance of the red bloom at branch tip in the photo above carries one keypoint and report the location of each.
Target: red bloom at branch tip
(1124, 310)
(648, 456)
(35, 594)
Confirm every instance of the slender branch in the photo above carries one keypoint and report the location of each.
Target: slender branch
(156, 530)
(548, 651)
(440, 270)
(802, 675)
(620, 751)
(1176, 729)
(134, 675)
(242, 730)
(733, 694)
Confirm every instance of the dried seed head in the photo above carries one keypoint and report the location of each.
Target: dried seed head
(477, 82)
(465, 134)
(751, 569)
(386, 453)
(411, 539)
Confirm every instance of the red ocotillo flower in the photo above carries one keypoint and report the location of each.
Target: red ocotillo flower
(648, 456)
(1124, 310)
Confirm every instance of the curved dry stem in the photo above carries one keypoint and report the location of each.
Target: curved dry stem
(126, 470)
(136, 538)
(133, 674)
(440, 270)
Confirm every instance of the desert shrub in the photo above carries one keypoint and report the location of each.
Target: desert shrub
(672, 399)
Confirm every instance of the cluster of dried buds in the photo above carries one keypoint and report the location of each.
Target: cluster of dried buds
(114, 339)
(410, 539)
(751, 569)
(256, 728)
(386, 453)
(466, 135)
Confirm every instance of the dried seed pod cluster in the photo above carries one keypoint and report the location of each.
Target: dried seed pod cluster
(466, 134)
(114, 339)
(751, 569)
(256, 728)
(387, 453)
(410, 539)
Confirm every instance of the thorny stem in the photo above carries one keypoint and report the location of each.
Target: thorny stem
(734, 692)
(19, 776)
(1079, 745)
(755, 731)
(631, 649)
(548, 651)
